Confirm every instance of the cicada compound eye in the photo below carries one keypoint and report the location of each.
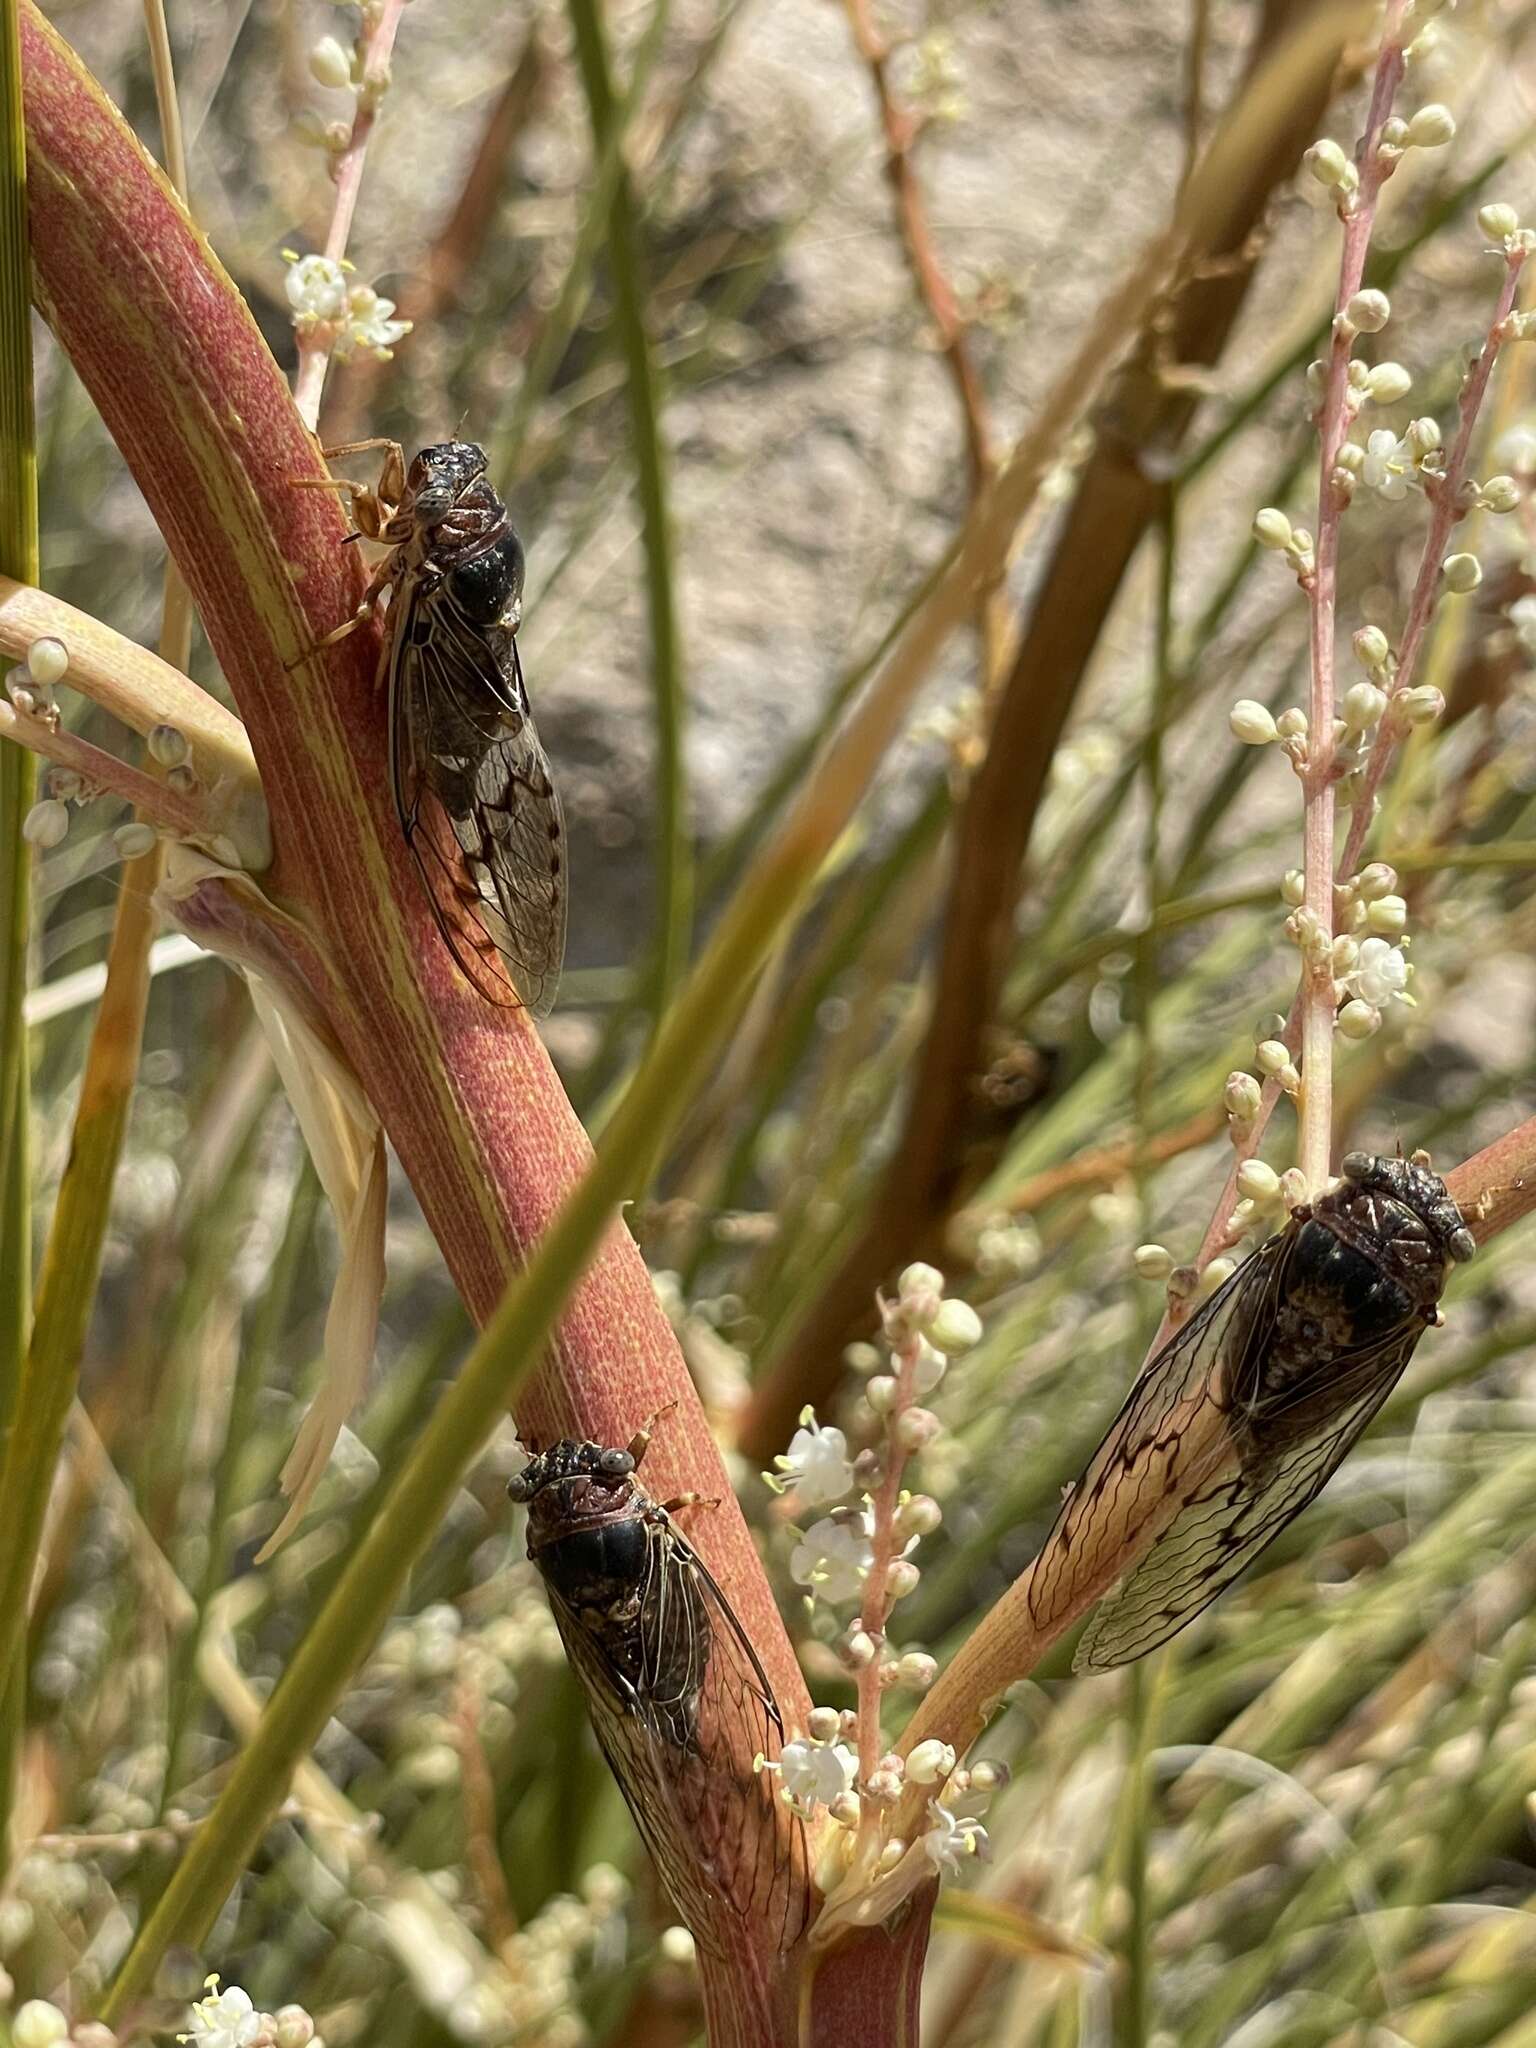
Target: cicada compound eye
(615, 1464)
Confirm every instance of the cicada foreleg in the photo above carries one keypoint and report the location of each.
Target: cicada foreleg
(640, 1442)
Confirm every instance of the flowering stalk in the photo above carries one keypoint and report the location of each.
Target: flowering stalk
(369, 65)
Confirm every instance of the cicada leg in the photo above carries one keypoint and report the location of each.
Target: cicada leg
(639, 1443)
(689, 1500)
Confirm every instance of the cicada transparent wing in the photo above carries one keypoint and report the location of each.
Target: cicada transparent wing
(1159, 1444)
(1223, 1529)
(682, 1707)
(462, 742)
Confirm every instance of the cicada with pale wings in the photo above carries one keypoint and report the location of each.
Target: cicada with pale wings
(470, 782)
(679, 1699)
(1243, 1416)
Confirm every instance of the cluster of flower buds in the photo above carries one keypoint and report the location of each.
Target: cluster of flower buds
(1432, 127)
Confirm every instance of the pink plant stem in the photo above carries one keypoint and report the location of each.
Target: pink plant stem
(876, 1608)
(1316, 994)
(1446, 509)
(347, 175)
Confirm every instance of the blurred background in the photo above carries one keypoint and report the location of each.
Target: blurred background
(1311, 1820)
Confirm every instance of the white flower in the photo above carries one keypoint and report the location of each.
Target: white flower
(316, 288)
(1388, 465)
(816, 1463)
(832, 1558)
(369, 324)
(816, 1773)
(225, 2019)
(1382, 973)
(948, 1840)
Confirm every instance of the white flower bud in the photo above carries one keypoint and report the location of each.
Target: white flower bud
(1346, 956)
(1423, 436)
(1350, 459)
(330, 65)
(1328, 164)
(1258, 1182)
(1359, 1020)
(916, 1428)
(1293, 887)
(920, 1279)
(1272, 1055)
(1368, 311)
(956, 1327)
(916, 1670)
(1387, 916)
(1363, 706)
(930, 1763)
(1500, 494)
(1462, 573)
(1292, 724)
(133, 840)
(989, 1776)
(1152, 1261)
(903, 1578)
(859, 1649)
(880, 1393)
(1423, 704)
(1271, 528)
(1432, 127)
(1387, 383)
(1498, 222)
(1251, 723)
(168, 745)
(294, 2027)
(1215, 1273)
(1241, 1097)
(47, 663)
(1371, 647)
(1379, 879)
(824, 1724)
(46, 824)
(39, 2025)
(919, 1516)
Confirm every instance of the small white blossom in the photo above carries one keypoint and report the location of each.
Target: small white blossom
(1250, 722)
(46, 824)
(1271, 528)
(47, 661)
(1258, 1182)
(1152, 1261)
(1387, 383)
(330, 65)
(1388, 465)
(1462, 573)
(816, 1773)
(832, 1558)
(1432, 127)
(317, 290)
(948, 1841)
(1498, 222)
(816, 1464)
(1381, 974)
(370, 324)
(225, 2019)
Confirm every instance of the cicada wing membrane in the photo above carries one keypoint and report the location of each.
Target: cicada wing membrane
(1222, 1530)
(463, 750)
(682, 1728)
(1160, 1442)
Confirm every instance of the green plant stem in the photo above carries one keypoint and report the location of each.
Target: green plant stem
(673, 834)
(18, 557)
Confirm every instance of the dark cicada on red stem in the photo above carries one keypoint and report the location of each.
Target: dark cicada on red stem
(1246, 1412)
(679, 1699)
(471, 786)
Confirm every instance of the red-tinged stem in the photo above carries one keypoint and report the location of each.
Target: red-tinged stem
(188, 817)
(204, 419)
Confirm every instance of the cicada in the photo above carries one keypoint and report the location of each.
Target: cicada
(679, 1699)
(1243, 1416)
(470, 782)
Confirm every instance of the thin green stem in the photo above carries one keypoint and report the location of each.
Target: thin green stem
(19, 558)
(675, 887)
